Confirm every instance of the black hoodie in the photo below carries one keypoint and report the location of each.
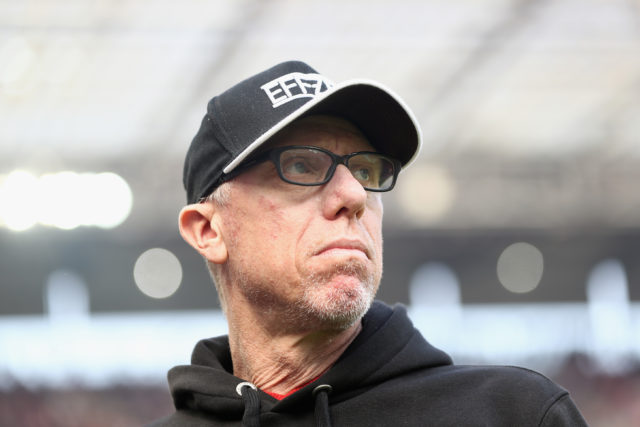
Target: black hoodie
(388, 376)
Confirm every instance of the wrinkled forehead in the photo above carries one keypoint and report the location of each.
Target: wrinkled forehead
(330, 132)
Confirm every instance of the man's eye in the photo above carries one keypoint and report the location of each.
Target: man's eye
(297, 166)
(368, 176)
(363, 174)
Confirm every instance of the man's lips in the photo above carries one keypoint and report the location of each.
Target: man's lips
(346, 246)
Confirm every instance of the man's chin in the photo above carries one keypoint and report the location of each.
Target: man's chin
(340, 303)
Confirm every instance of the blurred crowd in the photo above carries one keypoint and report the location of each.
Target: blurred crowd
(78, 406)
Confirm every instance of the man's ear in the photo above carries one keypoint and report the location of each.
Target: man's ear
(200, 227)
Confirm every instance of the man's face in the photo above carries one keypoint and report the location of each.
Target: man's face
(310, 255)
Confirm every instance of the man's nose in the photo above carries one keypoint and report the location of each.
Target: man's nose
(344, 195)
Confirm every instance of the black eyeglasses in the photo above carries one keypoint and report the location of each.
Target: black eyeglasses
(309, 166)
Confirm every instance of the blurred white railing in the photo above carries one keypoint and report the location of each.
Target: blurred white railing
(102, 349)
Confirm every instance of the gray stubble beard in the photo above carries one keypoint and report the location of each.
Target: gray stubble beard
(336, 308)
(321, 306)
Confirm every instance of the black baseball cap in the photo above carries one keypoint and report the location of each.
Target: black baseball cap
(244, 117)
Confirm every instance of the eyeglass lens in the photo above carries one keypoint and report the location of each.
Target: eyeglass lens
(308, 166)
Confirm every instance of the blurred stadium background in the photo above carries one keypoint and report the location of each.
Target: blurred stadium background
(513, 239)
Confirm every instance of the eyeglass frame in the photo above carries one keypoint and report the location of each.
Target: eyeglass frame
(273, 155)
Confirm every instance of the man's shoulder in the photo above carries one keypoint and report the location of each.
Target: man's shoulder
(525, 394)
(498, 379)
(500, 371)
(499, 395)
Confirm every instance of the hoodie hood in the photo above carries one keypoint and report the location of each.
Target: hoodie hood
(387, 347)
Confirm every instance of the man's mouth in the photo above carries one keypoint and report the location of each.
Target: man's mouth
(345, 247)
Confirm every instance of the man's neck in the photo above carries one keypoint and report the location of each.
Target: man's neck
(280, 363)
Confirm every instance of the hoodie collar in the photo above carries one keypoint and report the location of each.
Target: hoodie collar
(387, 347)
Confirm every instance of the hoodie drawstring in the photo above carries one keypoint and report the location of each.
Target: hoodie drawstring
(249, 393)
(321, 395)
(251, 416)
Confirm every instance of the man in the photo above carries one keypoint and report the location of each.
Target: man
(283, 181)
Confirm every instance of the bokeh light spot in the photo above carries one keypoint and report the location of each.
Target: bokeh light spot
(608, 283)
(520, 267)
(113, 197)
(434, 284)
(18, 195)
(157, 273)
(66, 295)
(427, 193)
(64, 200)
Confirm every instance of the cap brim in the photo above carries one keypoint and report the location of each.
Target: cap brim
(378, 112)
